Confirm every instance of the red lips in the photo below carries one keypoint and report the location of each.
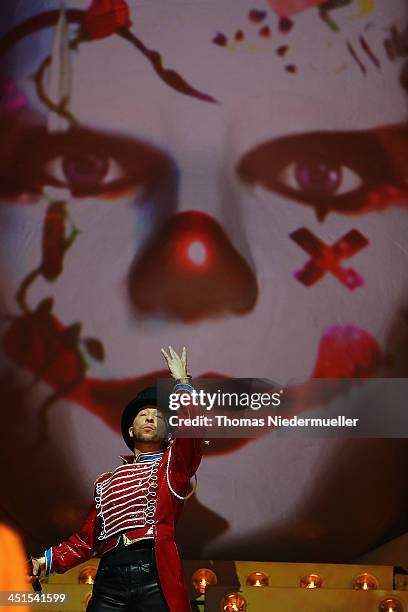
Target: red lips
(39, 343)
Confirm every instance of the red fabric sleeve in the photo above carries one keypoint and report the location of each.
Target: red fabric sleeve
(186, 455)
(187, 452)
(79, 547)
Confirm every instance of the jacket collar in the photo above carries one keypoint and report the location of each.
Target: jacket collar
(127, 458)
(131, 458)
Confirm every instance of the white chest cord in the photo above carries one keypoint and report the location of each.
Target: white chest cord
(193, 490)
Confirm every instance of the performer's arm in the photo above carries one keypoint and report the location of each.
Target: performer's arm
(186, 452)
(79, 547)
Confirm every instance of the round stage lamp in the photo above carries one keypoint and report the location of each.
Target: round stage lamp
(203, 577)
(311, 581)
(258, 579)
(87, 575)
(234, 602)
(365, 582)
(391, 604)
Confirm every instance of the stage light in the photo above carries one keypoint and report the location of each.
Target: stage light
(365, 582)
(203, 577)
(234, 602)
(258, 579)
(391, 604)
(311, 581)
(87, 575)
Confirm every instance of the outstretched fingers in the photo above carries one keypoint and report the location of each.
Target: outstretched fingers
(165, 355)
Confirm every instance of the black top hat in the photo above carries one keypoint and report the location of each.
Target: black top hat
(146, 397)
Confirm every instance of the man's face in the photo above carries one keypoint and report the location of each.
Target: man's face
(221, 179)
(149, 425)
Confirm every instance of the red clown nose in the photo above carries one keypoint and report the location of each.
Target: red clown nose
(190, 270)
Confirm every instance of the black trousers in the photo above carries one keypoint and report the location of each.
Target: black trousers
(131, 587)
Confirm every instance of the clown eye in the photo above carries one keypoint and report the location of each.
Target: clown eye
(96, 165)
(84, 171)
(318, 178)
(328, 171)
(87, 163)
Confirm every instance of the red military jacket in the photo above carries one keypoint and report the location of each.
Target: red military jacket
(180, 461)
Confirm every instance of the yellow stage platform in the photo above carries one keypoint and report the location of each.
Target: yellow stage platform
(288, 587)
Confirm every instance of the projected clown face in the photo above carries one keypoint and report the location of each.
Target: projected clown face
(231, 178)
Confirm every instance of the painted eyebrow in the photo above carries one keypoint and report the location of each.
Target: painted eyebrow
(49, 18)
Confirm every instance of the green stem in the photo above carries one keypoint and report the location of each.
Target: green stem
(21, 295)
(38, 78)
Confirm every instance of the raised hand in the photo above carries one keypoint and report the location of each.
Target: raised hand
(177, 364)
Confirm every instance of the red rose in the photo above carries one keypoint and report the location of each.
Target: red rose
(39, 343)
(105, 17)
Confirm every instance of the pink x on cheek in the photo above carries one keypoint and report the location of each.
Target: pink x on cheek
(325, 258)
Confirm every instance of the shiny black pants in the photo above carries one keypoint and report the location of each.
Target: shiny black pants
(130, 588)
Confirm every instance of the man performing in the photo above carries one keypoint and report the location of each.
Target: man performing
(132, 519)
